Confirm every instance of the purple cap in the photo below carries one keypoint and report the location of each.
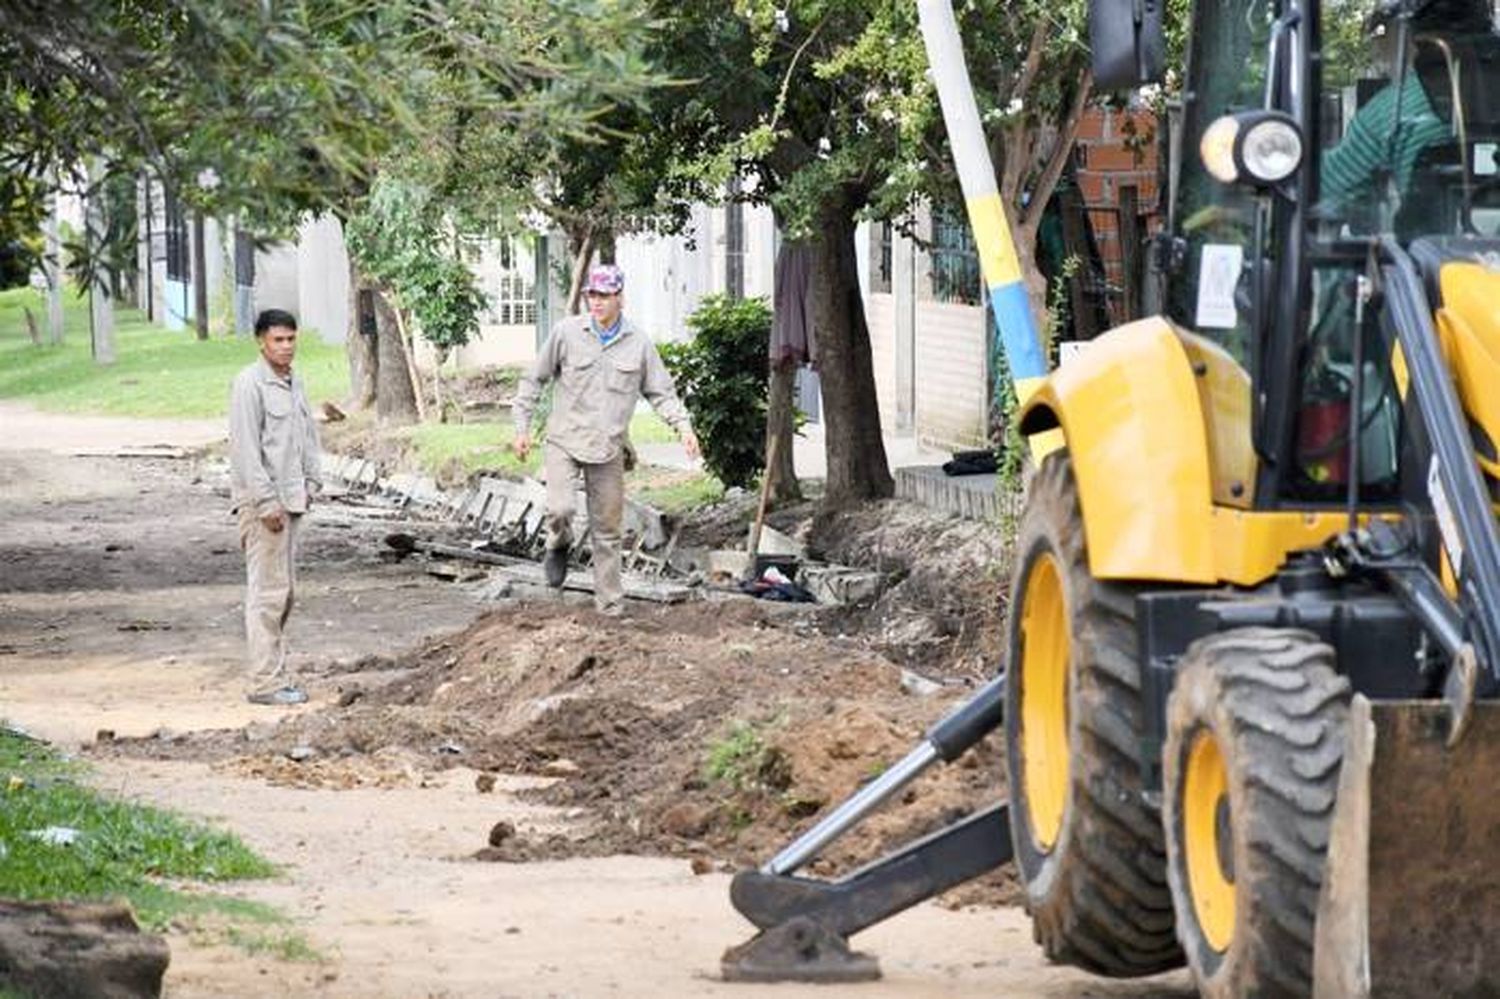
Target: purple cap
(606, 278)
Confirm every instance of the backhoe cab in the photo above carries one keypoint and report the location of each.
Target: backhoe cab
(1253, 640)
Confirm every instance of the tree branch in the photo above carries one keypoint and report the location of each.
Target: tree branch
(1061, 150)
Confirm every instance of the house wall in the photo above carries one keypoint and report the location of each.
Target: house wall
(323, 279)
(880, 316)
(950, 359)
(1116, 149)
(276, 284)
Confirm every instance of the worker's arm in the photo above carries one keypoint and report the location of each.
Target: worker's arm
(542, 370)
(657, 387)
(312, 447)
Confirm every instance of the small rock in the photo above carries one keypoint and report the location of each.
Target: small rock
(918, 685)
(450, 749)
(301, 753)
(686, 820)
(512, 930)
(584, 666)
(501, 831)
(105, 735)
(702, 865)
(561, 768)
(484, 783)
(349, 696)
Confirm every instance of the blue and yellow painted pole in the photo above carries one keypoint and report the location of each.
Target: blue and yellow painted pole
(976, 175)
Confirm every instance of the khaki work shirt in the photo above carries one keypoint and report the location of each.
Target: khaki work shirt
(597, 388)
(273, 442)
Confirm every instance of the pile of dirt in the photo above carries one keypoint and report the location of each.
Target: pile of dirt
(713, 730)
(941, 608)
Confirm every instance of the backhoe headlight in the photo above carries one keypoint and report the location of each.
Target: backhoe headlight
(1217, 149)
(1262, 148)
(1271, 149)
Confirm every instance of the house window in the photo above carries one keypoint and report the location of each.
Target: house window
(513, 302)
(881, 236)
(178, 266)
(734, 249)
(955, 262)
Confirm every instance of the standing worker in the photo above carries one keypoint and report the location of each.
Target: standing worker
(273, 460)
(602, 365)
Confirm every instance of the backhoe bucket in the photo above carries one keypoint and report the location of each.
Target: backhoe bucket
(1411, 894)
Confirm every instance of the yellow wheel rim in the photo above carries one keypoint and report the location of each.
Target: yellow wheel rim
(1044, 701)
(1207, 841)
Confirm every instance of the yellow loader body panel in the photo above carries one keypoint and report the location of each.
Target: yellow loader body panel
(1157, 422)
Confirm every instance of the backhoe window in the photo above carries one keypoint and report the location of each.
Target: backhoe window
(1226, 73)
(1413, 126)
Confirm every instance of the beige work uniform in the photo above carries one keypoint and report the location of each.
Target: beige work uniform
(273, 460)
(596, 387)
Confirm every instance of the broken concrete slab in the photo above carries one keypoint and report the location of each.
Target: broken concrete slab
(582, 581)
(729, 562)
(774, 542)
(837, 584)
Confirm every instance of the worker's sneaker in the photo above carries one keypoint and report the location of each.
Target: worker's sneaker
(555, 566)
(281, 696)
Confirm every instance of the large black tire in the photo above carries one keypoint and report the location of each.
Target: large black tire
(1264, 708)
(1089, 847)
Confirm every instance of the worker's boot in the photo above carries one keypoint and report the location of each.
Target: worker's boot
(555, 566)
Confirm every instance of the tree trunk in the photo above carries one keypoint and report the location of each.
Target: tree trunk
(857, 466)
(200, 278)
(582, 248)
(780, 426)
(101, 306)
(52, 267)
(395, 396)
(364, 362)
(409, 355)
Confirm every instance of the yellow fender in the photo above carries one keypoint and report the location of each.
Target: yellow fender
(1128, 408)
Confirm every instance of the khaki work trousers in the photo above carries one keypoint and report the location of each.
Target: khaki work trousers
(604, 491)
(271, 579)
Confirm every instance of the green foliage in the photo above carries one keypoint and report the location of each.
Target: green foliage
(722, 374)
(401, 238)
(21, 214)
(120, 849)
(269, 111)
(745, 760)
(158, 373)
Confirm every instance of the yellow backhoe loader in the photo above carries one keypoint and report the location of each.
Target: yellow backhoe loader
(1251, 700)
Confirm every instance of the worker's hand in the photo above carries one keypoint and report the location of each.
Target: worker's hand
(521, 446)
(690, 444)
(275, 521)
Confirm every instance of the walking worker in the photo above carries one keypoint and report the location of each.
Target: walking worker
(273, 461)
(601, 364)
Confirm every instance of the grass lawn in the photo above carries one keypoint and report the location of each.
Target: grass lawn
(60, 840)
(158, 373)
(452, 452)
(674, 491)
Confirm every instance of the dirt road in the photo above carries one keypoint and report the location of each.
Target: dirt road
(119, 590)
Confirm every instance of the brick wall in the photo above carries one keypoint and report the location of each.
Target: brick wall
(1105, 163)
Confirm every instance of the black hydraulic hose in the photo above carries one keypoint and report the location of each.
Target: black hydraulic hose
(1458, 486)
